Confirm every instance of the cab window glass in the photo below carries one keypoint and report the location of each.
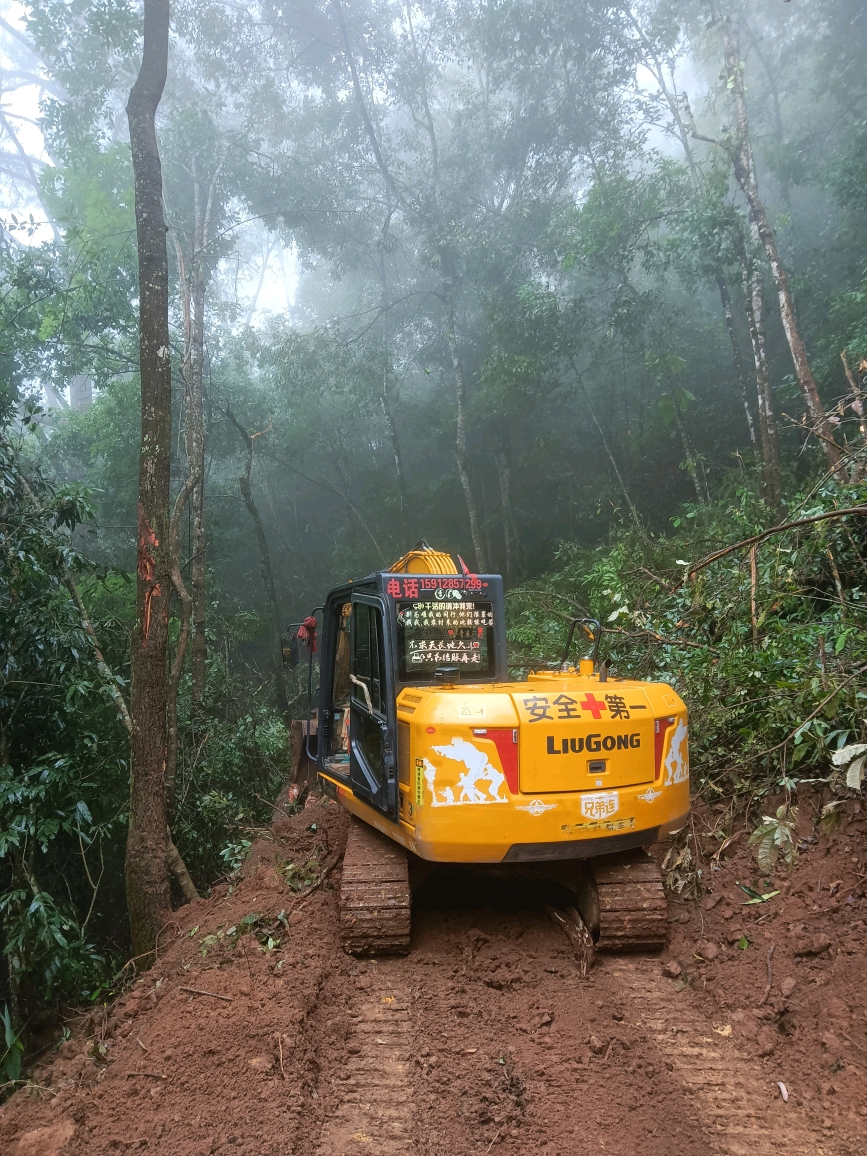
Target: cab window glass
(368, 665)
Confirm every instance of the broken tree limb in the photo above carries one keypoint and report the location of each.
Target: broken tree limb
(756, 538)
(179, 869)
(212, 994)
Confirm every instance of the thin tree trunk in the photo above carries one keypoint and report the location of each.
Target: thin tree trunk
(683, 132)
(147, 876)
(264, 564)
(725, 299)
(180, 654)
(461, 444)
(744, 170)
(691, 466)
(771, 475)
(632, 510)
(390, 425)
(193, 281)
(385, 403)
(857, 396)
(510, 529)
(195, 436)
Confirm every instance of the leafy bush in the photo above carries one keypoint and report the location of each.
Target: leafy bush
(767, 649)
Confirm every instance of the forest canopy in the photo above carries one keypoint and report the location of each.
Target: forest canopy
(576, 290)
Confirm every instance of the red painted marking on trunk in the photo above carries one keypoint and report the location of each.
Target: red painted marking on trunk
(147, 542)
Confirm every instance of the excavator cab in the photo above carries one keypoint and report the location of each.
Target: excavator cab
(439, 757)
(392, 631)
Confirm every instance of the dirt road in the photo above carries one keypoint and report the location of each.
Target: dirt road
(485, 1039)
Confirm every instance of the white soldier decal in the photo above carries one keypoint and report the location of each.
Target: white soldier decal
(479, 769)
(677, 759)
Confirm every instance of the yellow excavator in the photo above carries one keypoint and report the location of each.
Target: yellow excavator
(441, 759)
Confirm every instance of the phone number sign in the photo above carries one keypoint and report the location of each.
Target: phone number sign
(445, 589)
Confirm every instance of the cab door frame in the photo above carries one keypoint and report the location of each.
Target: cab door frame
(373, 718)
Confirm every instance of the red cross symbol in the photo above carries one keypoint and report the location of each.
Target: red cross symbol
(592, 704)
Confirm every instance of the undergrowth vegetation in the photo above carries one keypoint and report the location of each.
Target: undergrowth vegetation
(64, 753)
(766, 644)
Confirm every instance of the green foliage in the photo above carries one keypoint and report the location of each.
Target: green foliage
(14, 1047)
(549, 206)
(770, 703)
(776, 836)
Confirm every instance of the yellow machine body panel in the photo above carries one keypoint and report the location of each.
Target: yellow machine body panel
(536, 770)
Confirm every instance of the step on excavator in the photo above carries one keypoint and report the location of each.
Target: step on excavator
(571, 773)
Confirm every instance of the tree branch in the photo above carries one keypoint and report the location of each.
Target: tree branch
(756, 538)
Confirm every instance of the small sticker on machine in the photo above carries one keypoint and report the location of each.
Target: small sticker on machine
(471, 710)
(419, 782)
(600, 805)
(611, 825)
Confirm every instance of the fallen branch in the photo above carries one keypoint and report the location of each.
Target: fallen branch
(179, 869)
(756, 538)
(659, 581)
(212, 994)
(657, 638)
(327, 867)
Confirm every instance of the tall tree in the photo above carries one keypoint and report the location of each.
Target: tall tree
(741, 149)
(147, 877)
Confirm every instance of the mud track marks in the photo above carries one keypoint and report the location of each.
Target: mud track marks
(374, 1115)
(731, 1094)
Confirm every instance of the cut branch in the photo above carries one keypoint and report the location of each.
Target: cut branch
(756, 538)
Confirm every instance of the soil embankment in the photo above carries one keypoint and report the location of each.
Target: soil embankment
(256, 1034)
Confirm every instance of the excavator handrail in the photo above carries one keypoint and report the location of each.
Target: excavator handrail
(597, 638)
(312, 758)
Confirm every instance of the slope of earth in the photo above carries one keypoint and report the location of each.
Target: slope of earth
(256, 1034)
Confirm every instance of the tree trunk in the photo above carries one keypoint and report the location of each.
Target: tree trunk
(691, 464)
(390, 425)
(264, 565)
(636, 520)
(195, 438)
(725, 299)
(461, 444)
(147, 875)
(385, 403)
(180, 654)
(654, 63)
(510, 528)
(771, 475)
(744, 170)
(193, 281)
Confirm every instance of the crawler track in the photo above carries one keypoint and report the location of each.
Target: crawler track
(375, 897)
(630, 908)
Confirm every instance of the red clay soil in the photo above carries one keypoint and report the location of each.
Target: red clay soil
(505, 1046)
